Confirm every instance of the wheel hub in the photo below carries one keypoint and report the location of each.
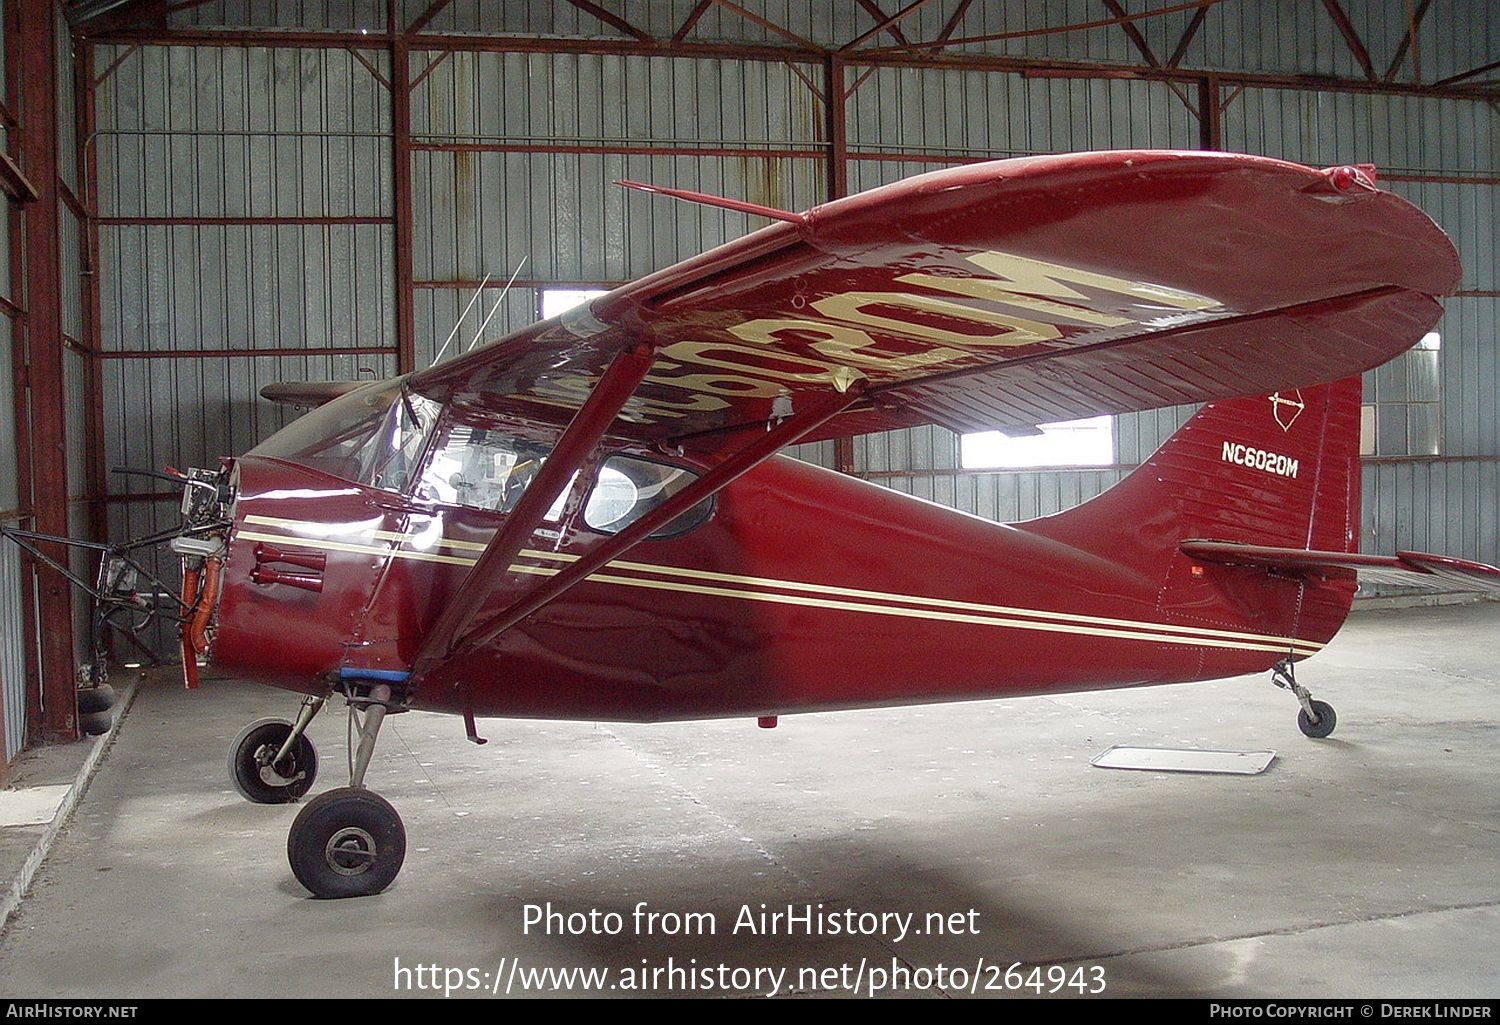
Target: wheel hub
(350, 851)
(269, 773)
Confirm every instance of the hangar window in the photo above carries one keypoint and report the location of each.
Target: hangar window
(1089, 442)
(1402, 415)
(556, 301)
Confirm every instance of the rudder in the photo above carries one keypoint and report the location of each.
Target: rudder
(1279, 470)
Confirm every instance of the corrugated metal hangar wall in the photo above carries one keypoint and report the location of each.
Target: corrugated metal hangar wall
(263, 191)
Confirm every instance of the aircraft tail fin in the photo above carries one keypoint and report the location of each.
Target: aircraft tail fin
(1272, 473)
(1250, 513)
(1277, 470)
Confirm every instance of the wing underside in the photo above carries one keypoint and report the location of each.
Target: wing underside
(999, 295)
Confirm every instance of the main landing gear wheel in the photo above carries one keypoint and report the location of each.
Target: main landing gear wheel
(257, 773)
(1326, 720)
(346, 843)
(350, 842)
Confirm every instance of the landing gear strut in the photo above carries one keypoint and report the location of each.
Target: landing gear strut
(350, 842)
(1316, 719)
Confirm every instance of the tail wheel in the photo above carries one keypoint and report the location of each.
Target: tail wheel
(346, 843)
(260, 780)
(1325, 724)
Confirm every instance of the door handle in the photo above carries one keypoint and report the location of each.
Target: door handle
(404, 506)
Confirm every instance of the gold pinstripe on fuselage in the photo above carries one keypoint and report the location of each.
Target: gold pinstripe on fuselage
(684, 580)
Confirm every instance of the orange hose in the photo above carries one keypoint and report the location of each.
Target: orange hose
(184, 631)
(207, 599)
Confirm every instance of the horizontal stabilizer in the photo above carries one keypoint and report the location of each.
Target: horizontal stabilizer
(307, 393)
(1410, 569)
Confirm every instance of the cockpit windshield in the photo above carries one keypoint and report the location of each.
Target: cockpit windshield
(376, 436)
(371, 436)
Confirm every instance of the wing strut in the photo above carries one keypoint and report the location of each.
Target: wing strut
(588, 425)
(787, 432)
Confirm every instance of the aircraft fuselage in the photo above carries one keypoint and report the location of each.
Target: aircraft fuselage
(804, 590)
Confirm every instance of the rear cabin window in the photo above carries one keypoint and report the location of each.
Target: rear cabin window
(629, 488)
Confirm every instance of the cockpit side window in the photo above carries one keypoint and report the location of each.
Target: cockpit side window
(489, 467)
(392, 459)
(484, 468)
(376, 436)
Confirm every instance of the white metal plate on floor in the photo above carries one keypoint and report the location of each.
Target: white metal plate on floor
(1178, 759)
(31, 806)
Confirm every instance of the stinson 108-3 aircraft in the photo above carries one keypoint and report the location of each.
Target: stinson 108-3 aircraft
(588, 519)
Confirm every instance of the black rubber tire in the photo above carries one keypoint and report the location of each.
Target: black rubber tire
(346, 843)
(261, 784)
(1325, 724)
(96, 699)
(94, 724)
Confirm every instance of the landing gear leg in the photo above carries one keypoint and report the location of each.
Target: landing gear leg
(350, 842)
(368, 731)
(272, 761)
(1316, 719)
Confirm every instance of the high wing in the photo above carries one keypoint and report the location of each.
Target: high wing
(1000, 294)
(993, 295)
(1410, 569)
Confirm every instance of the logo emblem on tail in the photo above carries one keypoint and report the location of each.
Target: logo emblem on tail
(1286, 408)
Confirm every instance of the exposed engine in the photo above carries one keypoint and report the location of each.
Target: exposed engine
(206, 499)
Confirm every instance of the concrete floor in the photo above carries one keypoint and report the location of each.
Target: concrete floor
(1364, 865)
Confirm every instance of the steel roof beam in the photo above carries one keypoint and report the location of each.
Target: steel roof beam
(1136, 37)
(883, 24)
(1408, 41)
(1351, 37)
(1188, 35)
(611, 19)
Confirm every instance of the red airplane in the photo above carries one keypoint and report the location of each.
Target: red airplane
(588, 519)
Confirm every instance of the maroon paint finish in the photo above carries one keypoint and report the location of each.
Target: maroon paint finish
(290, 636)
(710, 483)
(1176, 277)
(808, 590)
(573, 447)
